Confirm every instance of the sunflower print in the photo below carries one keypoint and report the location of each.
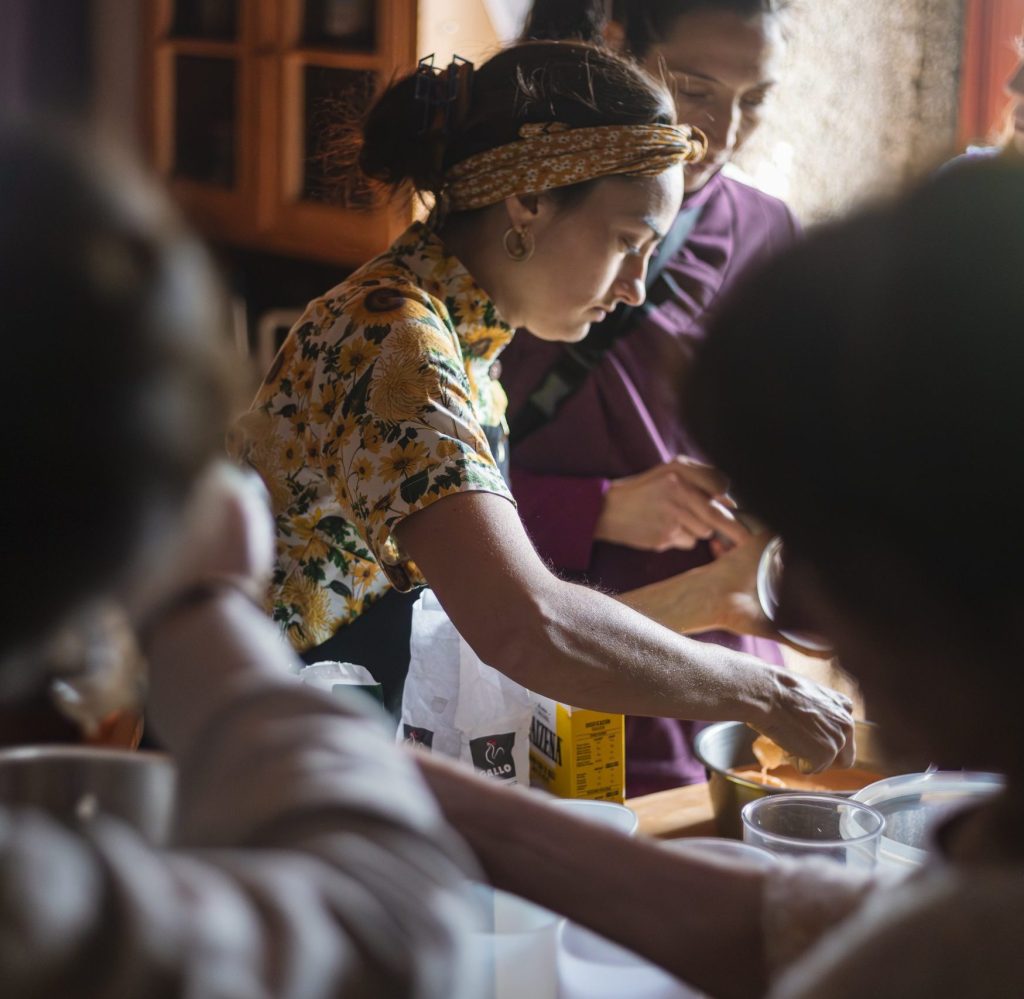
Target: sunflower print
(373, 409)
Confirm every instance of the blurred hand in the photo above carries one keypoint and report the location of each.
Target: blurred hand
(809, 721)
(673, 505)
(731, 580)
(226, 532)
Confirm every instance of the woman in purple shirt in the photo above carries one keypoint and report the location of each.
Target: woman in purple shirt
(609, 487)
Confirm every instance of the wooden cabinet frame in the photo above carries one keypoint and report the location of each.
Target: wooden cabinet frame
(264, 209)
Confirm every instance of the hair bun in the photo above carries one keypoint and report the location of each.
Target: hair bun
(395, 149)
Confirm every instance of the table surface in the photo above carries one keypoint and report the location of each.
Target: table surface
(680, 811)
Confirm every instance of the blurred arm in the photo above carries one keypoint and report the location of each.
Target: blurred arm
(311, 860)
(722, 925)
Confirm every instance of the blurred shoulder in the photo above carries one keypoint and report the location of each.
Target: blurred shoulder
(943, 933)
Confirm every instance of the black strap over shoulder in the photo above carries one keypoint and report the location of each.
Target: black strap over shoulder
(577, 360)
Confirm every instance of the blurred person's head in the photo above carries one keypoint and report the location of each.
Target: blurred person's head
(720, 58)
(113, 380)
(863, 392)
(564, 154)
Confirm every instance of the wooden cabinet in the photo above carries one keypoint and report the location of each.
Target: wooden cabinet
(237, 94)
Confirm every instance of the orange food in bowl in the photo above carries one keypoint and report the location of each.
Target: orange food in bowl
(791, 779)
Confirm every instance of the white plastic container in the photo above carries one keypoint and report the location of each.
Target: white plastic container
(516, 954)
(591, 967)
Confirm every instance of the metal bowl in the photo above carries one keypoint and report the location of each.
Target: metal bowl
(726, 745)
(76, 784)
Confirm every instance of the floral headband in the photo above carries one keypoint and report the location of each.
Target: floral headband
(553, 155)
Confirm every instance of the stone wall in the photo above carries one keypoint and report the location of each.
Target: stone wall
(867, 101)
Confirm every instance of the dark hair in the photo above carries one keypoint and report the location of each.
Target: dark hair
(863, 392)
(567, 20)
(648, 22)
(644, 22)
(114, 394)
(580, 85)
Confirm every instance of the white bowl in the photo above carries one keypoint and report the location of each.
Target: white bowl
(77, 784)
(913, 804)
(608, 813)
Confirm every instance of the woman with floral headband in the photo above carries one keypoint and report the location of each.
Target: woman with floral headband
(378, 427)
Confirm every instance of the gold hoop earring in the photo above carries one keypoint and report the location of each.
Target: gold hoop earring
(521, 248)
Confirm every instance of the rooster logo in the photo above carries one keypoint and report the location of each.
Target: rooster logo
(422, 738)
(493, 753)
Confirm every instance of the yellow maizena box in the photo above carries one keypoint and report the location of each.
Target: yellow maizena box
(576, 753)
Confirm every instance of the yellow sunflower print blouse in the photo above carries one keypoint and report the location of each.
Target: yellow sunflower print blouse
(373, 409)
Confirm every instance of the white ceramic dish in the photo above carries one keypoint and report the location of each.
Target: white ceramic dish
(77, 784)
(607, 813)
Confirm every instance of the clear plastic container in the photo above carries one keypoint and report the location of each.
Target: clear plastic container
(769, 582)
(914, 803)
(727, 850)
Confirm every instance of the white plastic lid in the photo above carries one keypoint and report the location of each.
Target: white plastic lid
(913, 804)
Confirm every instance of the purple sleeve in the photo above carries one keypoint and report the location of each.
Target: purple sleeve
(560, 513)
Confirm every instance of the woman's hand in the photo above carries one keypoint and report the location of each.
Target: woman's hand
(809, 721)
(673, 505)
(730, 583)
(721, 595)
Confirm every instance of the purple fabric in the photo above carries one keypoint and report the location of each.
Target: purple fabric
(624, 420)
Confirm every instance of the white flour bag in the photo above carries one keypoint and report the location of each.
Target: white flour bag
(457, 705)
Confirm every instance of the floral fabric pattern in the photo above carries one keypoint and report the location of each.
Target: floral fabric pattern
(373, 409)
(553, 154)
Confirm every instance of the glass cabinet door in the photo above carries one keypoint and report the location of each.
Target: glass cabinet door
(205, 133)
(203, 123)
(334, 101)
(339, 24)
(215, 20)
(249, 105)
(334, 55)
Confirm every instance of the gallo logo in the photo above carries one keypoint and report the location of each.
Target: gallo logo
(420, 737)
(492, 754)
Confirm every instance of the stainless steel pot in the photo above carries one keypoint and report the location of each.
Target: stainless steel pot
(75, 784)
(726, 745)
